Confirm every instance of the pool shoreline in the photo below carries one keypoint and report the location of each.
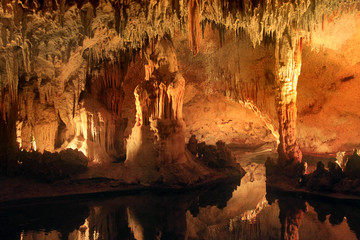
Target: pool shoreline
(93, 190)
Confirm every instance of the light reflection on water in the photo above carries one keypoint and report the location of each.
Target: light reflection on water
(225, 210)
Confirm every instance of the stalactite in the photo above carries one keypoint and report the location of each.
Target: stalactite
(194, 26)
(12, 76)
(2, 104)
(222, 34)
(8, 143)
(249, 92)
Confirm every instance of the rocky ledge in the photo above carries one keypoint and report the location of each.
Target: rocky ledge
(340, 179)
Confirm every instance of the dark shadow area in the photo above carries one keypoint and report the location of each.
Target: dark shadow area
(293, 206)
(334, 177)
(63, 217)
(155, 215)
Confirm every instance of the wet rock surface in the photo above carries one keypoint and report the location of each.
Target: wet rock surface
(330, 179)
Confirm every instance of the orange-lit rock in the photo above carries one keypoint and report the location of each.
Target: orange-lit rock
(64, 79)
(99, 134)
(194, 26)
(158, 135)
(288, 66)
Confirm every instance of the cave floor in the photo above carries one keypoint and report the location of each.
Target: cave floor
(108, 179)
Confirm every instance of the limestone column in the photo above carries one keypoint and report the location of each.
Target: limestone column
(288, 64)
(158, 137)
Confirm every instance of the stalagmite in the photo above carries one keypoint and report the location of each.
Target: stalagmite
(158, 135)
(288, 64)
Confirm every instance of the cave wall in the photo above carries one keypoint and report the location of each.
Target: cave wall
(328, 117)
(53, 52)
(229, 85)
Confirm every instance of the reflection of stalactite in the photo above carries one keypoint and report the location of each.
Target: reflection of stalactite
(194, 26)
(248, 226)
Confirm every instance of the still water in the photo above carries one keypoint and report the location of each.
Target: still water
(234, 209)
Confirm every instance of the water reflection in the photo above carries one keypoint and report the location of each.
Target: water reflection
(63, 217)
(292, 208)
(291, 213)
(338, 212)
(156, 215)
(225, 210)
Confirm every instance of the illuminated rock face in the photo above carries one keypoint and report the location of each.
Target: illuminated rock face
(158, 135)
(288, 65)
(194, 26)
(51, 52)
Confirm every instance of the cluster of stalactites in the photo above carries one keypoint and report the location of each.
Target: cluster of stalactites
(95, 128)
(107, 85)
(8, 83)
(267, 21)
(160, 96)
(156, 100)
(130, 24)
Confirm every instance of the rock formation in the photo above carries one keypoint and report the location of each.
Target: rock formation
(288, 65)
(194, 26)
(158, 137)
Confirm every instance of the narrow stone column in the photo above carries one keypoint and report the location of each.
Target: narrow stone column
(288, 64)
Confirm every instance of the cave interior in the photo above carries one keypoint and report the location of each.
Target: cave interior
(161, 92)
(111, 95)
